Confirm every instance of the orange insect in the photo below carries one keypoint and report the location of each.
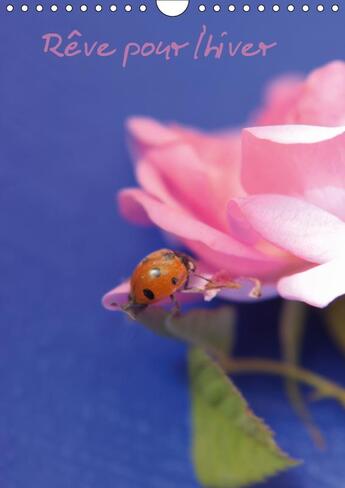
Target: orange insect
(158, 276)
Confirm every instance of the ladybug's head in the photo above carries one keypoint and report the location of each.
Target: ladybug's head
(187, 261)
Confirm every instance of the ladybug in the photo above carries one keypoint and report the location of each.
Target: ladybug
(158, 276)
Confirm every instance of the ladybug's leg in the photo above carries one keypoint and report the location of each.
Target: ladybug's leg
(185, 286)
(210, 284)
(203, 278)
(192, 289)
(255, 292)
(213, 285)
(176, 306)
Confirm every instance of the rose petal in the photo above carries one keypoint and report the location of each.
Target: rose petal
(295, 134)
(220, 151)
(322, 97)
(220, 154)
(117, 296)
(280, 96)
(318, 286)
(185, 226)
(268, 269)
(132, 210)
(294, 160)
(317, 100)
(150, 180)
(294, 225)
(183, 178)
(178, 164)
(149, 132)
(328, 197)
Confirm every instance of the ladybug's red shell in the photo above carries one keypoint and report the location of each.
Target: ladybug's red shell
(159, 276)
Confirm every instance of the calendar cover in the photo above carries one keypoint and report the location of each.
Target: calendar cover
(172, 246)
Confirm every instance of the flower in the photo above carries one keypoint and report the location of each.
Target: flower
(268, 202)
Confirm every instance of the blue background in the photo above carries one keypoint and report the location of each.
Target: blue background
(87, 399)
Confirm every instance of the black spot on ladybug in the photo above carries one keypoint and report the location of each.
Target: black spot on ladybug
(148, 293)
(174, 280)
(155, 272)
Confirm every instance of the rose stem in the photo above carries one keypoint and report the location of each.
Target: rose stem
(267, 366)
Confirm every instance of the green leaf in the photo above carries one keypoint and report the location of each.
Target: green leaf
(213, 329)
(232, 448)
(154, 318)
(335, 319)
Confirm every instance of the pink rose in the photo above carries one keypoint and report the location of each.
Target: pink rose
(269, 203)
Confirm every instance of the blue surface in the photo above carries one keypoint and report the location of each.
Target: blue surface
(87, 399)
